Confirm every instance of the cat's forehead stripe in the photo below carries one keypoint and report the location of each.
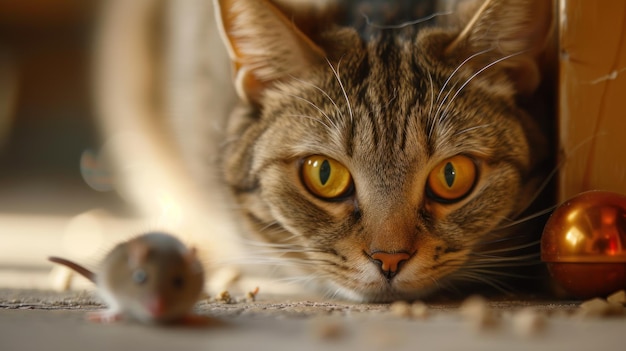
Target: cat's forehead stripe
(389, 90)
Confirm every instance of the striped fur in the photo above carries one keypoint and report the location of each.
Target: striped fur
(390, 107)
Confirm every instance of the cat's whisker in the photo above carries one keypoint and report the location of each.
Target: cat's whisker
(466, 130)
(334, 294)
(436, 116)
(445, 84)
(538, 192)
(283, 250)
(554, 171)
(437, 283)
(272, 261)
(526, 219)
(449, 285)
(227, 142)
(286, 237)
(500, 261)
(481, 277)
(508, 249)
(443, 140)
(487, 66)
(332, 101)
(290, 238)
(432, 94)
(313, 119)
(315, 107)
(497, 272)
(500, 240)
(269, 225)
(495, 264)
(343, 90)
(274, 228)
(265, 244)
(299, 280)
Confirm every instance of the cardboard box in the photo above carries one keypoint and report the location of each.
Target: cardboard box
(592, 96)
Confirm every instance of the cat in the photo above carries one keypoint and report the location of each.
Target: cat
(373, 150)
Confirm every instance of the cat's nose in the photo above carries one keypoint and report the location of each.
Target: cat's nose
(389, 263)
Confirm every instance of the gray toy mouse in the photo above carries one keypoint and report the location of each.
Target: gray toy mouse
(152, 278)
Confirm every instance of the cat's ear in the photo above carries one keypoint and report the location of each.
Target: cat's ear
(513, 31)
(263, 44)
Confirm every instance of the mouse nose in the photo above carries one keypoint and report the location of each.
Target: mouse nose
(389, 263)
(156, 306)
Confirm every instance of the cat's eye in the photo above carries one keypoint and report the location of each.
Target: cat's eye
(325, 177)
(452, 179)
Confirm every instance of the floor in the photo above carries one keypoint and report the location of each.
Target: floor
(36, 319)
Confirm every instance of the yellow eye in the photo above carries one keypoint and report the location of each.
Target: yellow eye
(452, 179)
(325, 177)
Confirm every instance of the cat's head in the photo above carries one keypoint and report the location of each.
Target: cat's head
(383, 167)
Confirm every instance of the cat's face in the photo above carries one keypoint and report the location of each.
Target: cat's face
(385, 168)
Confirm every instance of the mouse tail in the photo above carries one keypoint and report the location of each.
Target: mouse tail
(74, 266)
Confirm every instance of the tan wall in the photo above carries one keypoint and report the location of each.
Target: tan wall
(592, 102)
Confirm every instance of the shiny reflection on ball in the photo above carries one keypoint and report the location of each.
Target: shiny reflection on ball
(584, 244)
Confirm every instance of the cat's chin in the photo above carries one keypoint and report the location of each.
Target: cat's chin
(381, 295)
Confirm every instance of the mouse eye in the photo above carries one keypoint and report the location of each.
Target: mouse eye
(139, 276)
(178, 282)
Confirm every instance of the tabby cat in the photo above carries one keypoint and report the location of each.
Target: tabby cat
(374, 150)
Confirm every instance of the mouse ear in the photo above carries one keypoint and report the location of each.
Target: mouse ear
(137, 253)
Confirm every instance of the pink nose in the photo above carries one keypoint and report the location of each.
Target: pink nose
(389, 263)
(156, 306)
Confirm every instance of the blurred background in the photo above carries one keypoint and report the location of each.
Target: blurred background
(46, 123)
